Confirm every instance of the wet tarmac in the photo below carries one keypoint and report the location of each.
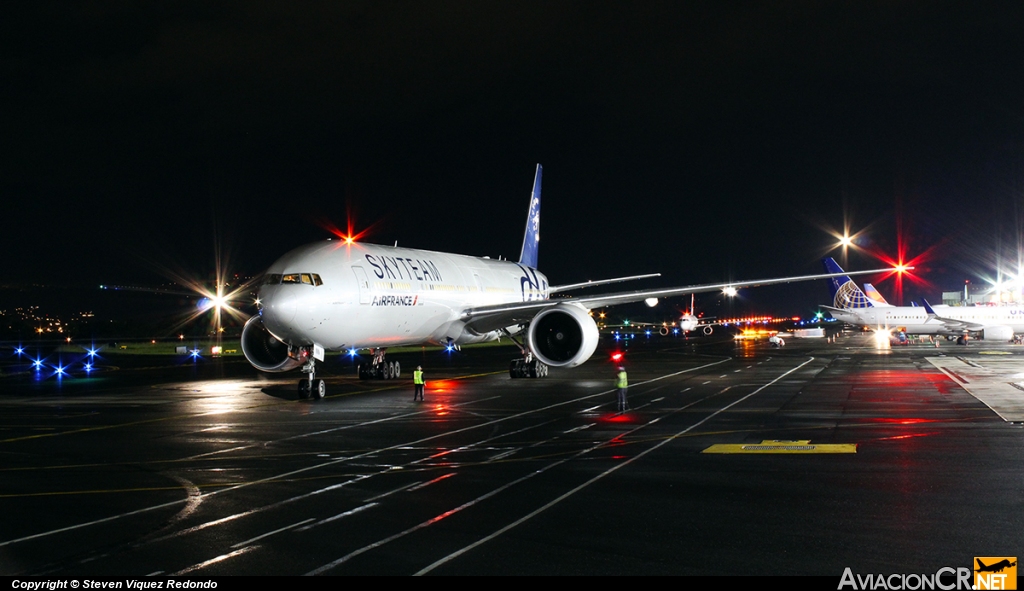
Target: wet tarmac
(160, 466)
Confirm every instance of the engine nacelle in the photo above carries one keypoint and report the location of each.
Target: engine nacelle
(563, 336)
(997, 333)
(263, 350)
(708, 330)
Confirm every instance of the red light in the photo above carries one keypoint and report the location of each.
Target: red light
(616, 357)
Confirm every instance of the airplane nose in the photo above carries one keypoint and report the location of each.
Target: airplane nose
(279, 307)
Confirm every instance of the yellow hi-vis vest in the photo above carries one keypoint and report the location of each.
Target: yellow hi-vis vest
(417, 377)
(621, 382)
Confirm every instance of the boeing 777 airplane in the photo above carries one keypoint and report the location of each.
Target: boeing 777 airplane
(342, 295)
(851, 305)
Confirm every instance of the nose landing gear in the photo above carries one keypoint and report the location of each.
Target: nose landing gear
(310, 385)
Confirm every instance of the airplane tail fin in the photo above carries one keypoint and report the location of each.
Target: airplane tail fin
(531, 239)
(845, 293)
(876, 297)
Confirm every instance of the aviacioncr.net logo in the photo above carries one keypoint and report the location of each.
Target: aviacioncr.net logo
(946, 578)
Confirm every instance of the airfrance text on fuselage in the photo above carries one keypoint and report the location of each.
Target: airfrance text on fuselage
(402, 268)
(394, 300)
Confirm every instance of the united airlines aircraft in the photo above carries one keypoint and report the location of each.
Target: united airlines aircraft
(343, 295)
(851, 305)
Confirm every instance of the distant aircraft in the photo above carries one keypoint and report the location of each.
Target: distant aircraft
(993, 568)
(853, 306)
(344, 295)
(688, 322)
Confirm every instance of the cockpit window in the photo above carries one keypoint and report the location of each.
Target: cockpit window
(303, 278)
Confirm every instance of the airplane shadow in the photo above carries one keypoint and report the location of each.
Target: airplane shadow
(281, 392)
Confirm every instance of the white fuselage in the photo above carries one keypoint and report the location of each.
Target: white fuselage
(380, 296)
(915, 319)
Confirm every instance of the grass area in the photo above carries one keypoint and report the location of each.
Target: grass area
(229, 347)
(170, 347)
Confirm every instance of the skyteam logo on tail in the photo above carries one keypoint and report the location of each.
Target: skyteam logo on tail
(531, 239)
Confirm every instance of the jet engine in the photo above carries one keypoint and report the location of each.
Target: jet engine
(563, 336)
(263, 350)
(708, 330)
(997, 333)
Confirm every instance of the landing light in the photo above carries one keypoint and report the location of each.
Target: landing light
(651, 302)
(729, 291)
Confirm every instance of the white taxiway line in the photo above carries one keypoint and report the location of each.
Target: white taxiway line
(337, 461)
(331, 565)
(270, 533)
(568, 494)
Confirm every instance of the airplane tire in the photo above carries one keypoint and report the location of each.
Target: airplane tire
(319, 389)
(303, 388)
(398, 370)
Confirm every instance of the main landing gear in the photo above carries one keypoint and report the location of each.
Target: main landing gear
(379, 369)
(526, 366)
(310, 385)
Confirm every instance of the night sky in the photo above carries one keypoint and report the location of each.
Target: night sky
(700, 140)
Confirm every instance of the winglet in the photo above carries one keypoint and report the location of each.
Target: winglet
(845, 293)
(531, 239)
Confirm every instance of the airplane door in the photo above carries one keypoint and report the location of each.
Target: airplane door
(364, 284)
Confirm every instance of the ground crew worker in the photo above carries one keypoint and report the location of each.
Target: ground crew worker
(417, 380)
(622, 384)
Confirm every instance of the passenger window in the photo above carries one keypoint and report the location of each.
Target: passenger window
(291, 278)
(307, 279)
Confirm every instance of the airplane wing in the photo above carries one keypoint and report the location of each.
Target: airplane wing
(487, 318)
(560, 288)
(950, 323)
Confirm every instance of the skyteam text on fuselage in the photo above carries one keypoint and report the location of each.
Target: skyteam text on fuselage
(344, 295)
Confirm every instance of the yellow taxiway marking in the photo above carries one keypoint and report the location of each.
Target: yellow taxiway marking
(781, 446)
